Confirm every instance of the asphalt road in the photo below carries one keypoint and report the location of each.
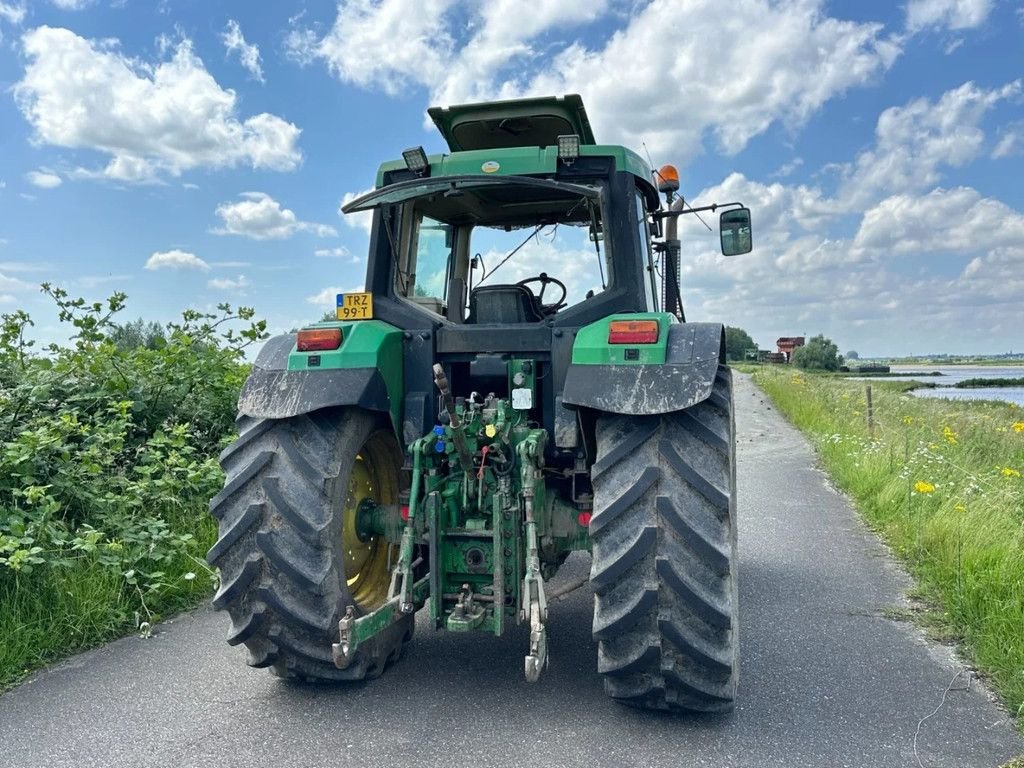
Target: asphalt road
(826, 680)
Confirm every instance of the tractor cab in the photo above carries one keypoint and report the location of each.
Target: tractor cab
(510, 227)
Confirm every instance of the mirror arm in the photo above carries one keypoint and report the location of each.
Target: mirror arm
(658, 215)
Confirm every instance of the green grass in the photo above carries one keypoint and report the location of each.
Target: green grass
(981, 383)
(941, 482)
(49, 613)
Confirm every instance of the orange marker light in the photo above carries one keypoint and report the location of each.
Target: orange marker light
(633, 332)
(316, 339)
(667, 178)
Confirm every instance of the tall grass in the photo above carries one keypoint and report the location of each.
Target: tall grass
(941, 482)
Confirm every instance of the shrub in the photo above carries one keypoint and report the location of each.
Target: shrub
(107, 460)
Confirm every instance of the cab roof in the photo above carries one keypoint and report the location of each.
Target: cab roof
(536, 122)
(518, 137)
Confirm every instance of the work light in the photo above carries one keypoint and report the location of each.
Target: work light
(415, 160)
(568, 147)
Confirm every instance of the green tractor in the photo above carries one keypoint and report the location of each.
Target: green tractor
(450, 439)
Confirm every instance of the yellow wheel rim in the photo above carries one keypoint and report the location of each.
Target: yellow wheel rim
(367, 566)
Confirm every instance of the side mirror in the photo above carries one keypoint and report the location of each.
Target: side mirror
(734, 231)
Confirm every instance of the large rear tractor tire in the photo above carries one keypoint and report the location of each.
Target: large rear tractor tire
(290, 559)
(664, 556)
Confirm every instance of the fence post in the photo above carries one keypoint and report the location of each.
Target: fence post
(871, 411)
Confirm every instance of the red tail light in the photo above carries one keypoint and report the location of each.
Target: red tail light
(316, 339)
(633, 332)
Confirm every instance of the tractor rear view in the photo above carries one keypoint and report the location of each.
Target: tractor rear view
(517, 382)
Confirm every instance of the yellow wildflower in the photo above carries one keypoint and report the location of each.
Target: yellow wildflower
(949, 435)
(908, 420)
(1010, 472)
(922, 487)
(959, 508)
(1018, 426)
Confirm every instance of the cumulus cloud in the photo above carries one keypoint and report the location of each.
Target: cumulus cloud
(43, 179)
(415, 35)
(227, 284)
(176, 259)
(944, 220)
(674, 97)
(916, 141)
(248, 53)
(948, 14)
(259, 216)
(149, 119)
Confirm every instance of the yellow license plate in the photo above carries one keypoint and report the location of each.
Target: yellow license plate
(355, 306)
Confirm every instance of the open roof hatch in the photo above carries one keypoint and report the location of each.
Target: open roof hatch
(519, 123)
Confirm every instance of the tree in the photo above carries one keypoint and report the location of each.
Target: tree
(819, 354)
(852, 355)
(138, 334)
(737, 342)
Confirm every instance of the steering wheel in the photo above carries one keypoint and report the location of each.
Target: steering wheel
(545, 281)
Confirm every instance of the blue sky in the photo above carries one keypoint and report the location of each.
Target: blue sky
(189, 152)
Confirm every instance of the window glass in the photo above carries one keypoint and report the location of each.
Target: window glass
(432, 260)
(646, 254)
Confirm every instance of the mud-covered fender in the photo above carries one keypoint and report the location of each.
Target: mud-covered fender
(692, 355)
(272, 391)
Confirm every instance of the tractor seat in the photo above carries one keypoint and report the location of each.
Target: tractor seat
(503, 304)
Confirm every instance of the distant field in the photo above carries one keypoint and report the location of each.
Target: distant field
(941, 482)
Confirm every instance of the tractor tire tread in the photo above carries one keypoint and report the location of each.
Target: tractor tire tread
(276, 548)
(664, 556)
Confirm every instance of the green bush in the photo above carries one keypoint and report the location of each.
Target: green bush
(819, 354)
(107, 460)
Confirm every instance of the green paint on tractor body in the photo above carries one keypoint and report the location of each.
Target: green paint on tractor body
(365, 344)
(593, 348)
(517, 161)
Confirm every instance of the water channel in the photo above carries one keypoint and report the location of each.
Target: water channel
(951, 374)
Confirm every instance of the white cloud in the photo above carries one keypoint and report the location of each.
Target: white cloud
(248, 53)
(259, 216)
(13, 284)
(13, 13)
(22, 266)
(341, 252)
(72, 5)
(415, 35)
(762, 53)
(150, 119)
(362, 220)
(949, 14)
(227, 284)
(1011, 142)
(914, 142)
(43, 179)
(176, 259)
(945, 220)
(328, 297)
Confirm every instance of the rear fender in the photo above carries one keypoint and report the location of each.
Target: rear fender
(366, 371)
(693, 352)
